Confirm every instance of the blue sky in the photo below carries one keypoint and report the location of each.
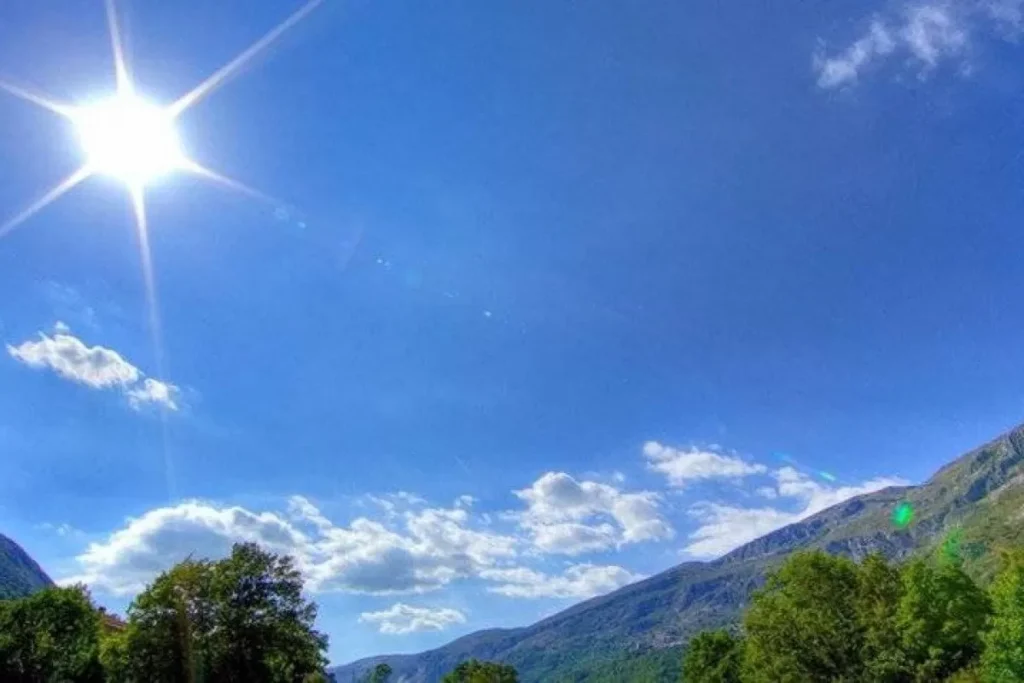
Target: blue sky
(551, 295)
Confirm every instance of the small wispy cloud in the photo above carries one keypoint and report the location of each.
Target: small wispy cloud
(725, 527)
(96, 367)
(927, 34)
(400, 619)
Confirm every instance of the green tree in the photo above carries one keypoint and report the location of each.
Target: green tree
(941, 619)
(879, 591)
(114, 656)
(379, 674)
(240, 619)
(1003, 659)
(713, 657)
(802, 627)
(166, 640)
(475, 671)
(51, 636)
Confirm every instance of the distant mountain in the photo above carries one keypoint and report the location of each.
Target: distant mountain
(19, 573)
(972, 506)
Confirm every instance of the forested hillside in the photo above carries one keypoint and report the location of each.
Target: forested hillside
(19, 573)
(974, 503)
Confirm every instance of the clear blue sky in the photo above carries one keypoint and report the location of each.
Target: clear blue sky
(653, 266)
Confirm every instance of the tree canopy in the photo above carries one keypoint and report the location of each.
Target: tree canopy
(713, 657)
(242, 618)
(475, 671)
(50, 636)
(825, 618)
(1003, 659)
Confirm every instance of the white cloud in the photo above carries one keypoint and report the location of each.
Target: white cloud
(725, 527)
(152, 391)
(929, 33)
(844, 67)
(571, 517)
(1007, 14)
(578, 581)
(933, 32)
(400, 619)
(63, 530)
(425, 550)
(682, 466)
(420, 550)
(96, 367)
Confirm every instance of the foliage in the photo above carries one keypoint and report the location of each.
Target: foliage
(240, 619)
(475, 671)
(879, 591)
(1003, 660)
(379, 674)
(114, 656)
(823, 618)
(941, 619)
(633, 666)
(713, 657)
(50, 636)
(802, 626)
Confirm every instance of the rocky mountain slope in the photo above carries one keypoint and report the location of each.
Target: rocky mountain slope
(19, 573)
(972, 506)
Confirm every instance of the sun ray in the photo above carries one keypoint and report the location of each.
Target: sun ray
(153, 311)
(226, 71)
(142, 229)
(124, 81)
(56, 192)
(46, 103)
(230, 183)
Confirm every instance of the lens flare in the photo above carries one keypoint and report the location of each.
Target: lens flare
(903, 515)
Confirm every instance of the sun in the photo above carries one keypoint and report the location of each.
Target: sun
(129, 139)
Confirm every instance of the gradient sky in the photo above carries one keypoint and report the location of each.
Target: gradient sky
(553, 295)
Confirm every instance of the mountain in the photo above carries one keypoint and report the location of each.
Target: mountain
(972, 506)
(19, 573)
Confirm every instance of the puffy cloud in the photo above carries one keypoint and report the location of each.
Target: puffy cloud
(93, 366)
(725, 527)
(96, 367)
(567, 516)
(153, 391)
(578, 581)
(132, 556)
(426, 549)
(400, 619)
(682, 466)
(416, 551)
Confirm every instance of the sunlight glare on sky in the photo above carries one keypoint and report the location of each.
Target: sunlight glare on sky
(563, 293)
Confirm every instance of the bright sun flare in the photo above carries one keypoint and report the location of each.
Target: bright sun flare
(129, 139)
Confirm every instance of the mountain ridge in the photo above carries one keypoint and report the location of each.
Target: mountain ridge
(20, 575)
(975, 497)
